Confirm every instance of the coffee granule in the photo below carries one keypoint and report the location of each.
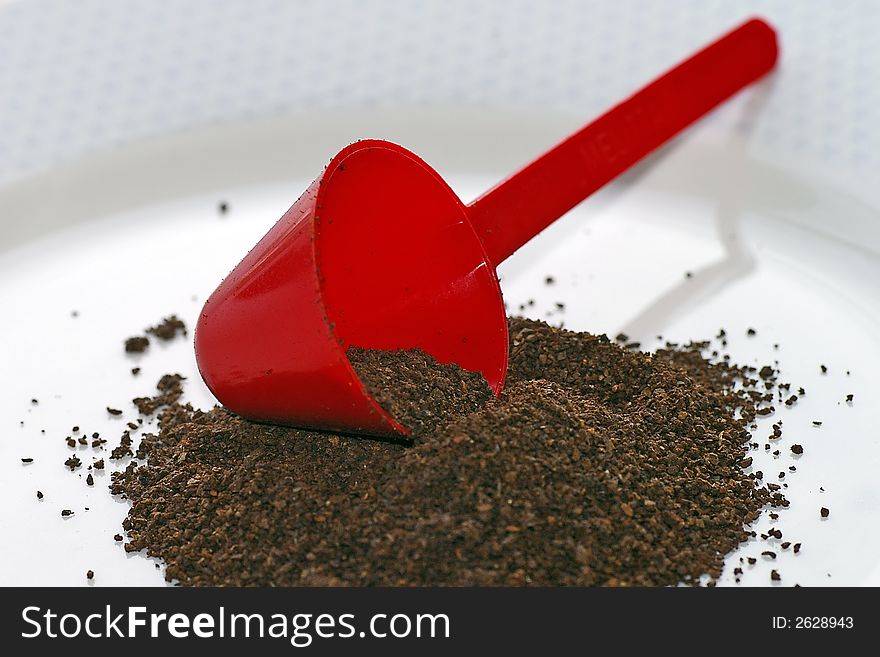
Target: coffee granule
(824, 512)
(90, 574)
(39, 494)
(137, 344)
(597, 466)
(165, 330)
(168, 328)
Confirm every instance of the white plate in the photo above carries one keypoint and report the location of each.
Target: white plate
(127, 238)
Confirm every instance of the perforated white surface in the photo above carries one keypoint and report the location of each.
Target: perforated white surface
(76, 77)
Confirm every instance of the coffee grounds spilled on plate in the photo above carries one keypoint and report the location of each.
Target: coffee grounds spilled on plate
(598, 465)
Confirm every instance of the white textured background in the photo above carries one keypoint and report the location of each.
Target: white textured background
(82, 76)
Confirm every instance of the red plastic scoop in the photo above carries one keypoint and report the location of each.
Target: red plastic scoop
(379, 252)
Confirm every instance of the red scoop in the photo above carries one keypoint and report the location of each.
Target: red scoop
(379, 252)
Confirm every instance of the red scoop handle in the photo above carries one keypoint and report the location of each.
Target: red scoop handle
(510, 214)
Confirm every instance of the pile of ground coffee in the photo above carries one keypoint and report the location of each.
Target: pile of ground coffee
(598, 465)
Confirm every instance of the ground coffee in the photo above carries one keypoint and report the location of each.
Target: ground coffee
(598, 465)
(168, 328)
(418, 391)
(165, 330)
